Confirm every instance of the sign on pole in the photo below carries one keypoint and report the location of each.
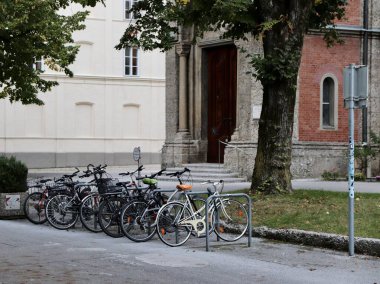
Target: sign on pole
(355, 93)
(137, 157)
(136, 154)
(356, 84)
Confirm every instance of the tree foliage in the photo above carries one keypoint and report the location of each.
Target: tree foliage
(157, 21)
(280, 25)
(33, 29)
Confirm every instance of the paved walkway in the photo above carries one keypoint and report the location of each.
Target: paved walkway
(342, 186)
(40, 254)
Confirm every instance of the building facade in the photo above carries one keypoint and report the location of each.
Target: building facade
(114, 102)
(213, 104)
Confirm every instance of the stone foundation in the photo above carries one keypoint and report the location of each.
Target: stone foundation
(309, 160)
(12, 208)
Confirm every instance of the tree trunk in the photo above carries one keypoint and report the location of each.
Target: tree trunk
(282, 50)
(272, 165)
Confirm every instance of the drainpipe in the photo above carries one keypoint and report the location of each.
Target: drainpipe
(365, 62)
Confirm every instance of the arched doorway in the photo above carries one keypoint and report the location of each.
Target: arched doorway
(221, 99)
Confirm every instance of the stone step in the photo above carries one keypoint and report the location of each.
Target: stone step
(204, 165)
(201, 172)
(199, 179)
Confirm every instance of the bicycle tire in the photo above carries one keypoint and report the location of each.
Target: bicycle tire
(137, 222)
(60, 212)
(34, 207)
(89, 211)
(169, 230)
(109, 216)
(231, 223)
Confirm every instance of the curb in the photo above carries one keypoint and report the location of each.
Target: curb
(367, 246)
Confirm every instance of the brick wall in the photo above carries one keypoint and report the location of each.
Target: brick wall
(317, 61)
(354, 13)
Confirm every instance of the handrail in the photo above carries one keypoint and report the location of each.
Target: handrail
(227, 144)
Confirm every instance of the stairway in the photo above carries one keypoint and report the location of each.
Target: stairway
(206, 171)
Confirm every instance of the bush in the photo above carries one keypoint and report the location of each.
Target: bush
(13, 175)
(330, 175)
(360, 177)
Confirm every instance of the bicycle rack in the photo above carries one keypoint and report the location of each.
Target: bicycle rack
(210, 198)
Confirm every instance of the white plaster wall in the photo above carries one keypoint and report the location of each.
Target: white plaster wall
(99, 91)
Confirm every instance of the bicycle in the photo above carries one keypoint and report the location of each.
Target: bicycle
(90, 204)
(111, 203)
(34, 205)
(138, 217)
(176, 220)
(63, 210)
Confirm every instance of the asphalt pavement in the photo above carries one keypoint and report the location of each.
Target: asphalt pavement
(41, 254)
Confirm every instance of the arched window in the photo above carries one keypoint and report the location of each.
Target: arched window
(328, 103)
(34, 121)
(131, 122)
(83, 64)
(84, 120)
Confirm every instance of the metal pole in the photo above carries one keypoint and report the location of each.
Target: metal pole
(219, 153)
(138, 173)
(206, 214)
(249, 221)
(249, 228)
(351, 169)
(365, 62)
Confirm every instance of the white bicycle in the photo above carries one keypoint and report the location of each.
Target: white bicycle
(177, 220)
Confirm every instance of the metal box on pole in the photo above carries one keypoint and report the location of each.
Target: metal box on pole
(360, 85)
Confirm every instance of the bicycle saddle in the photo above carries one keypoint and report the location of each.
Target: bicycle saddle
(184, 187)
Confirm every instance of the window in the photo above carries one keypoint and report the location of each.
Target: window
(131, 61)
(328, 103)
(39, 64)
(128, 5)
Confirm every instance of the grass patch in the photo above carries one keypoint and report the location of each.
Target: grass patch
(319, 211)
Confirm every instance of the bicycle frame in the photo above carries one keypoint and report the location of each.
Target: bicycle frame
(198, 224)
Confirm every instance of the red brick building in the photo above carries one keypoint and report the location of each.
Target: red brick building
(205, 81)
(322, 116)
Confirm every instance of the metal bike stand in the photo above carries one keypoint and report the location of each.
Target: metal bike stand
(210, 198)
(163, 190)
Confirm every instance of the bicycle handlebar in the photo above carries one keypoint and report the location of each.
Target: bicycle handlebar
(152, 175)
(177, 174)
(139, 169)
(95, 170)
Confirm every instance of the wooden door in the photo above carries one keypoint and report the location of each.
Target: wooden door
(221, 99)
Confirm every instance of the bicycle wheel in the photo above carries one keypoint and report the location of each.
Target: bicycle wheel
(138, 221)
(109, 216)
(34, 207)
(172, 226)
(61, 212)
(89, 211)
(230, 219)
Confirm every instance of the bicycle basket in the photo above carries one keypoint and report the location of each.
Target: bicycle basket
(105, 184)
